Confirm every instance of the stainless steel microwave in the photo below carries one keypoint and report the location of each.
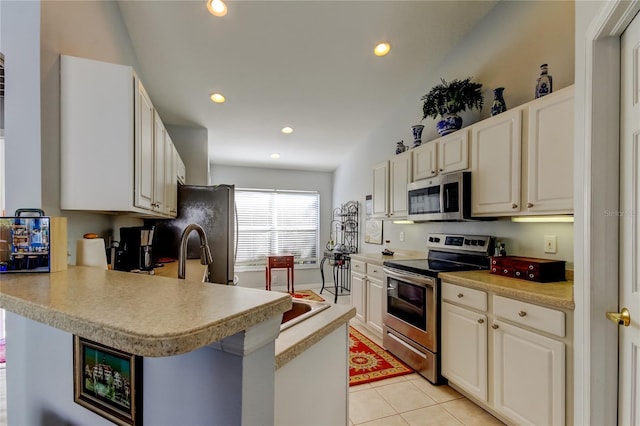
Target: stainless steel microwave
(441, 198)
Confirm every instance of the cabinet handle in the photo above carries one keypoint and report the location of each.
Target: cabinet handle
(514, 206)
(460, 295)
(495, 326)
(522, 313)
(480, 321)
(441, 170)
(529, 205)
(433, 171)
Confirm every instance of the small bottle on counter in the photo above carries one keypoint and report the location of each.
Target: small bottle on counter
(503, 249)
(496, 249)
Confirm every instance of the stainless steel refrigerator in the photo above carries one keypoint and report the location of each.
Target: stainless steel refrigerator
(213, 208)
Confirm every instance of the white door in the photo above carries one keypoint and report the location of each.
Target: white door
(629, 344)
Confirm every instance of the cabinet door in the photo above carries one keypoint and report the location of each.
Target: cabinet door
(529, 376)
(464, 349)
(181, 170)
(357, 295)
(171, 181)
(550, 154)
(495, 165)
(374, 305)
(159, 178)
(381, 190)
(453, 152)
(400, 175)
(144, 141)
(425, 161)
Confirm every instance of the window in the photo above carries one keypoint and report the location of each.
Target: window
(274, 221)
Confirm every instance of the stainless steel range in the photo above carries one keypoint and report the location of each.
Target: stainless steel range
(411, 308)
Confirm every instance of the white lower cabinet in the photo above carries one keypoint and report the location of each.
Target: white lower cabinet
(374, 305)
(358, 295)
(529, 376)
(464, 345)
(367, 292)
(517, 367)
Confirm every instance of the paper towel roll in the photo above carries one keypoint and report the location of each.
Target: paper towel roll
(91, 252)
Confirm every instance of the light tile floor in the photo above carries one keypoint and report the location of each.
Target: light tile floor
(409, 400)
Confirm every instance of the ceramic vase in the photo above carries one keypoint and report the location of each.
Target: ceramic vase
(544, 84)
(499, 105)
(449, 123)
(400, 147)
(417, 134)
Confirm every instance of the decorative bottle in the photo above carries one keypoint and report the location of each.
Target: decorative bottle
(499, 105)
(544, 82)
(400, 147)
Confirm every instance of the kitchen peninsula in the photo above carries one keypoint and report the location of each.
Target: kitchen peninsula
(209, 350)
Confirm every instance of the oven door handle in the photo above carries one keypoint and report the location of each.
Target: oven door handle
(410, 278)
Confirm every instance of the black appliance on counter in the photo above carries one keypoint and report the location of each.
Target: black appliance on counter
(213, 208)
(135, 249)
(411, 308)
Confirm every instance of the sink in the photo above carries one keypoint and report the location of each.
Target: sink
(300, 311)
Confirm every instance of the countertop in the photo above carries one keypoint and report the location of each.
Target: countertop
(555, 294)
(138, 313)
(293, 341)
(378, 258)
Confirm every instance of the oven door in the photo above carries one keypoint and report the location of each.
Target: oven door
(410, 307)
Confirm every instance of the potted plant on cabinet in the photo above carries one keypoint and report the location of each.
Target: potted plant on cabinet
(448, 99)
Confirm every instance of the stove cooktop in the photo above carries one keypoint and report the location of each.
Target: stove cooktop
(431, 267)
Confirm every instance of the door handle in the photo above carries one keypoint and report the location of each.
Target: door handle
(621, 318)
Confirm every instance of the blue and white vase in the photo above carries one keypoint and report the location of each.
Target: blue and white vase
(449, 123)
(400, 147)
(417, 134)
(499, 105)
(544, 84)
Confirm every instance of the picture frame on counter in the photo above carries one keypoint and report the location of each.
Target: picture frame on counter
(107, 381)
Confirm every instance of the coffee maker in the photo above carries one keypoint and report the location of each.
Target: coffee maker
(135, 251)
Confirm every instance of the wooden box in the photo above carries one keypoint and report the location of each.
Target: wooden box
(528, 268)
(33, 244)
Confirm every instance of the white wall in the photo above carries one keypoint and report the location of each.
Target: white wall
(192, 145)
(264, 178)
(505, 49)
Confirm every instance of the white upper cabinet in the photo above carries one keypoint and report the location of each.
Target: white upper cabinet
(144, 146)
(400, 174)
(108, 144)
(549, 177)
(390, 179)
(445, 155)
(453, 152)
(380, 199)
(425, 161)
(495, 164)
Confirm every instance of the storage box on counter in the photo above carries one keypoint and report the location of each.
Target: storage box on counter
(528, 268)
(33, 244)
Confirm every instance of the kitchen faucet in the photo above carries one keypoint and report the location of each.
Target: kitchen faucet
(205, 252)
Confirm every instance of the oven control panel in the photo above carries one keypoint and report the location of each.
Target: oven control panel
(475, 243)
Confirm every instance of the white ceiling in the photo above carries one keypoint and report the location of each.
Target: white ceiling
(304, 64)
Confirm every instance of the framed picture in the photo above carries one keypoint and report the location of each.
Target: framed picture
(107, 381)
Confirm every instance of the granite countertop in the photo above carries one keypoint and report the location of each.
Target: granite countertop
(138, 313)
(555, 294)
(293, 341)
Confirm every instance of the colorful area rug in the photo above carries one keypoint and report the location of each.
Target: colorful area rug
(308, 295)
(2, 356)
(368, 362)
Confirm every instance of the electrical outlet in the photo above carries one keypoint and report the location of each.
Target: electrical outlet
(550, 244)
(401, 236)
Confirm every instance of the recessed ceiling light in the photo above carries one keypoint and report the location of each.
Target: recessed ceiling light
(217, 7)
(287, 130)
(217, 98)
(381, 49)
(275, 155)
